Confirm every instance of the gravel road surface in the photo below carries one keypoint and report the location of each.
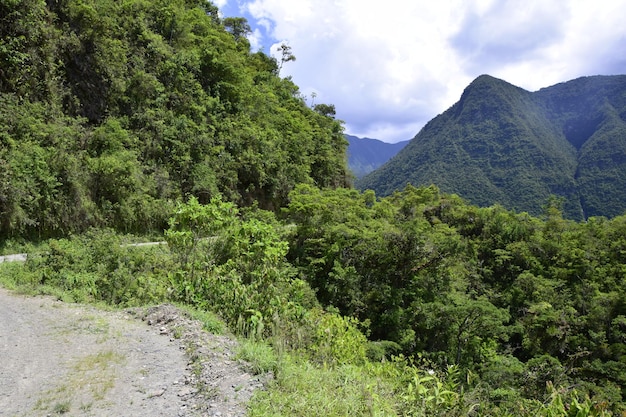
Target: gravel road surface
(76, 360)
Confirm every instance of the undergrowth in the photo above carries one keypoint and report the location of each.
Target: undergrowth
(229, 271)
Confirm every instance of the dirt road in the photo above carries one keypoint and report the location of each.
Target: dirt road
(18, 257)
(65, 359)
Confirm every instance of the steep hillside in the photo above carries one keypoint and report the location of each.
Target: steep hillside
(110, 111)
(365, 154)
(591, 113)
(502, 144)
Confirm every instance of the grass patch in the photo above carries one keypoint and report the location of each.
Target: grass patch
(304, 389)
(211, 322)
(100, 361)
(96, 372)
(89, 324)
(259, 355)
(62, 407)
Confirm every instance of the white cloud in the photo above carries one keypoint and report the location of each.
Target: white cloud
(390, 67)
(220, 3)
(256, 40)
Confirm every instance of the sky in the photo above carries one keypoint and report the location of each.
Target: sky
(390, 66)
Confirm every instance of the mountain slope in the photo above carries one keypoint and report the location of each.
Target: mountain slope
(502, 144)
(112, 111)
(591, 113)
(365, 154)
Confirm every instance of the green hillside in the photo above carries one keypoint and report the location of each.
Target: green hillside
(502, 144)
(110, 111)
(591, 113)
(126, 121)
(365, 154)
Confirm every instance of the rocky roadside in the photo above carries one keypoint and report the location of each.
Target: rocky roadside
(77, 360)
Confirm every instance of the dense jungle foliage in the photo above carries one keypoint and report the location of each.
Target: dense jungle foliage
(413, 304)
(110, 110)
(502, 144)
(153, 117)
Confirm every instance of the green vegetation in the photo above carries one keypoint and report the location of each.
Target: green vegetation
(147, 118)
(414, 304)
(110, 110)
(365, 155)
(501, 144)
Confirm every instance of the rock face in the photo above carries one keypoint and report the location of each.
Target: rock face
(75, 360)
(502, 144)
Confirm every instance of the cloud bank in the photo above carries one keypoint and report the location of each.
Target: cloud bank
(391, 66)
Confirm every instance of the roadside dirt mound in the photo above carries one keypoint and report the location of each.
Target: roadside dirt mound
(76, 360)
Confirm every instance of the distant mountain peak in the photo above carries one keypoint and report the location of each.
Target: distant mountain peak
(502, 144)
(366, 154)
(488, 81)
(486, 78)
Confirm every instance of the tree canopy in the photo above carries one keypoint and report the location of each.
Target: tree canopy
(111, 111)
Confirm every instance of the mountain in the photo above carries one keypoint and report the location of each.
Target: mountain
(502, 144)
(365, 154)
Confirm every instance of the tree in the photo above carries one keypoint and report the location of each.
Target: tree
(237, 26)
(327, 110)
(285, 55)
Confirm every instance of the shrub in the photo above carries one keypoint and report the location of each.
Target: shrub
(96, 266)
(337, 340)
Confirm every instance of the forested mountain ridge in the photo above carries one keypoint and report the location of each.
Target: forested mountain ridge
(153, 117)
(502, 144)
(366, 154)
(110, 111)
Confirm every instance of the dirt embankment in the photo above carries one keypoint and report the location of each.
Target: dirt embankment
(73, 360)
